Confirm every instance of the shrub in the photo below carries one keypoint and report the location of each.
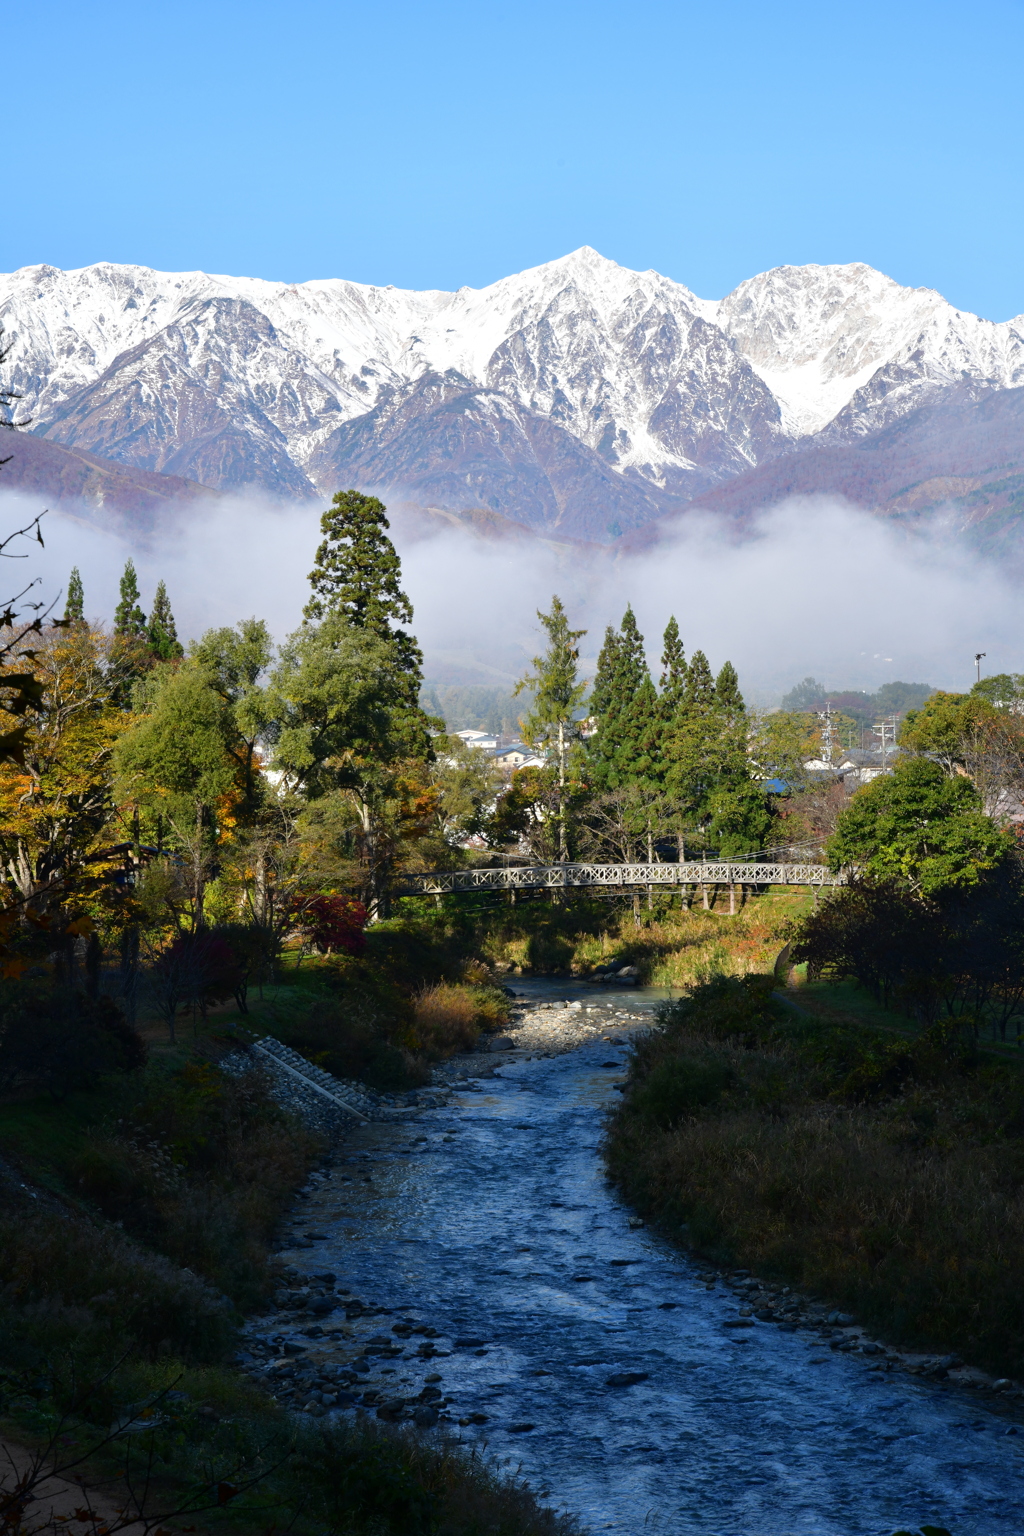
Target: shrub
(445, 1020)
(451, 1016)
(60, 1039)
(64, 1277)
(332, 923)
(199, 1165)
(882, 1171)
(347, 1037)
(363, 1478)
(674, 1089)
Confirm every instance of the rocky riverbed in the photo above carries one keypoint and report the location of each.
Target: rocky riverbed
(465, 1265)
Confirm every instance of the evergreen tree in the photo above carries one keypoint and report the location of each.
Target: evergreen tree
(700, 687)
(602, 694)
(674, 671)
(727, 691)
(75, 605)
(358, 574)
(558, 692)
(621, 705)
(129, 619)
(162, 631)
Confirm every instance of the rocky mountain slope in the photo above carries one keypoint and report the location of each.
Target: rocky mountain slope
(114, 494)
(578, 398)
(954, 465)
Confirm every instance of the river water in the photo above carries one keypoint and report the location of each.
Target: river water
(499, 1229)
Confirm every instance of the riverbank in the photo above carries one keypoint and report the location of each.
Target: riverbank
(579, 935)
(469, 1260)
(138, 1223)
(881, 1173)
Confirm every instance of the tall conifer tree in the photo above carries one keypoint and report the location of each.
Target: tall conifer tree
(162, 631)
(674, 671)
(358, 575)
(700, 686)
(621, 710)
(558, 692)
(74, 608)
(603, 691)
(129, 619)
(727, 691)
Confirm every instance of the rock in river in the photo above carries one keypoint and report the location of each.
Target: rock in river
(626, 1378)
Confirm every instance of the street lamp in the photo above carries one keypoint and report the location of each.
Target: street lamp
(978, 658)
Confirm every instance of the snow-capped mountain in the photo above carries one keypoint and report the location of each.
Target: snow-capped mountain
(577, 396)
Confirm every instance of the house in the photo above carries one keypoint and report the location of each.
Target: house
(485, 740)
(517, 756)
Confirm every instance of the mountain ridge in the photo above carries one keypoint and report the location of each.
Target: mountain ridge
(581, 398)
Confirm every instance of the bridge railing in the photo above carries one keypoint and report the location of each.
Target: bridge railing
(559, 876)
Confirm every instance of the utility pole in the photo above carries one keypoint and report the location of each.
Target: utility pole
(978, 659)
(827, 734)
(885, 730)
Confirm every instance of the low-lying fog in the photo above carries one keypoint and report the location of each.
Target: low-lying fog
(818, 587)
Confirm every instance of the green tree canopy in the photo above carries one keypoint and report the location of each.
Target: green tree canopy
(358, 574)
(727, 691)
(810, 694)
(557, 694)
(343, 731)
(1004, 690)
(920, 826)
(236, 659)
(700, 685)
(177, 756)
(623, 702)
(162, 632)
(943, 724)
(129, 619)
(176, 765)
(74, 608)
(674, 671)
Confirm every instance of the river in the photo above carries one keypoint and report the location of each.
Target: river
(499, 1229)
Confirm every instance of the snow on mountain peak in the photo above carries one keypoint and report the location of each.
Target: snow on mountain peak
(670, 392)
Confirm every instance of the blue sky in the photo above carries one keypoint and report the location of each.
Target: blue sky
(432, 145)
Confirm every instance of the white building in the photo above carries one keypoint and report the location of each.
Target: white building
(485, 740)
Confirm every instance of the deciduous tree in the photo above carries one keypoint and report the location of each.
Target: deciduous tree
(919, 826)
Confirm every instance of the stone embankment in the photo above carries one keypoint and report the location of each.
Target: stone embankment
(325, 1103)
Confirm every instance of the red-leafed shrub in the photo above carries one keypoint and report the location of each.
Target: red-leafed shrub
(333, 923)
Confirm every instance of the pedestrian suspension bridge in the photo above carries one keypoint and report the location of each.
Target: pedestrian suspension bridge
(692, 876)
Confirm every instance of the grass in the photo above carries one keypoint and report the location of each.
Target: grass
(201, 1428)
(125, 1282)
(670, 946)
(883, 1171)
(451, 1016)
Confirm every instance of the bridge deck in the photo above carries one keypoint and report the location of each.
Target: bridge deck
(558, 876)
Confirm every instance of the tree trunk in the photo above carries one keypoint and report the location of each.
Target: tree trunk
(563, 840)
(199, 880)
(130, 974)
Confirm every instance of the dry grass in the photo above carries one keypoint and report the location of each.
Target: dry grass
(887, 1175)
(672, 947)
(199, 1166)
(451, 1016)
(66, 1279)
